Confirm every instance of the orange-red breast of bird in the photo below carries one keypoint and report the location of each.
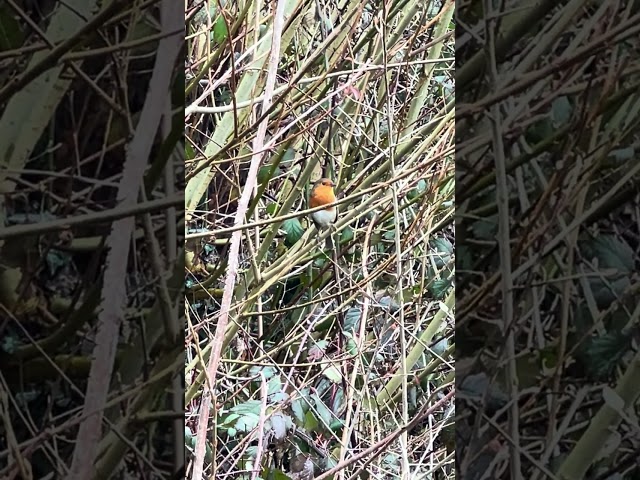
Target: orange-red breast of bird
(322, 193)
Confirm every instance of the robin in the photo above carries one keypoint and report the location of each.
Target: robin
(322, 194)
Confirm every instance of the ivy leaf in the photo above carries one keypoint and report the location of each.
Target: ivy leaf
(279, 424)
(475, 387)
(267, 371)
(352, 319)
(539, 131)
(623, 154)
(561, 110)
(298, 410)
(485, 229)
(440, 286)
(601, 354)
(310, 422)
(316, 351)
(293, 229)
(442, 244)
(275, 385)
(611, 252)
(300, 405)
(387, 301)
(346, 234)
(243, 417)
(440, 347)
(443, 250)
(190, 442)
(332, 373)
(418, 190)
(323, 410)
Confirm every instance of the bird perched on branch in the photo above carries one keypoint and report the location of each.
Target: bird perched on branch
(322, 193)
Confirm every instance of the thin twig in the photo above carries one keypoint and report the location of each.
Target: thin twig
(234, 247)
(114, 290)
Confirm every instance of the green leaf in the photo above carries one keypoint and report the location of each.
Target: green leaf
(248, 407)
(11, 36)
(387, 301)
(478, 387)
(442, 245)
(445, 83)
(229, 419)
(539, 131)
(322, 410)
(243, 417)
(9, 344)
(419, 189)
(332, 373)
(336, 425)
(247, 422)
(611, 252)
(346, 234)
(275, 385)
(56, 260)
(279, 424)
(623, 154)
(440, 286)
(189, 151)
(352, 346)
(267, 371)
(298, 410)
(265, 173)
(301, 405)
(272, 208)
(310, 422)
(275, 475)
(316, 351)
(277, 398)
(561, 110)
(220, 32)
(443, 251)
(352, 319)
(338, 401)
(389, 234)
(391, 459)
(440, 347)
(485, 229)
(601, 354)
(293, 229)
